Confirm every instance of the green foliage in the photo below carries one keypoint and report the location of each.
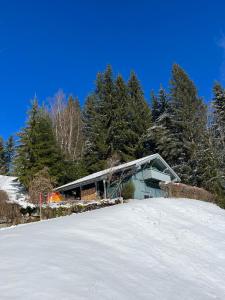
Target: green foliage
(3, 167)
(117, 122)
(37, 147)
(160, 104)
(72, 170)
(116, 115)
(217, 128)
(128, 190)
(180, 121)
(9, 154)
(188, 121)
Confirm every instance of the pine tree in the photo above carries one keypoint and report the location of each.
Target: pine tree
(9, 154)
(206, 170)
(140, 117)
(121, 135)
(3, 168)
(37, 148)
(158, 137)
(180, 122)
(218, 123)
(90, 120)
(115, 116)
(98, 117)
(95, 148)
(188, 121)
(155, 106)
(160, 104)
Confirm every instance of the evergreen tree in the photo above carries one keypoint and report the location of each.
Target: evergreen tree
(207, 174)
(140, 117)
(9, 154)
(115, 116)
(188, 121)
(121, 135)
(98, 117)
(37, 148)
(160, 104)
(155, 106)
(179, 125)
(3, 168)
(90, 133)
(218, 123)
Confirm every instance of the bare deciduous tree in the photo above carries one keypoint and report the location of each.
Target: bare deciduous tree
(68, 125)
(42, 183)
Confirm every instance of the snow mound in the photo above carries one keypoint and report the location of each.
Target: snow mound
(15, 190)
(148, 249)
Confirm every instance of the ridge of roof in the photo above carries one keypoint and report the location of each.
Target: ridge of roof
(104, 172)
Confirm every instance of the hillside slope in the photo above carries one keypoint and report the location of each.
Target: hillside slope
(150, 249)
(14, 189)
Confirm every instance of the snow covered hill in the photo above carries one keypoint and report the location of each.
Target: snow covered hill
(150, 249)
(14, 189)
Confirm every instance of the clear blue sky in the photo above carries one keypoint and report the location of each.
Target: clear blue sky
(51, 45)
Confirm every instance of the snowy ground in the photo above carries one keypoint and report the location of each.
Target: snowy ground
(150, 249)
(14, 189)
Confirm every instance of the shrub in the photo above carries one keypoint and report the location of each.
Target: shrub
(3, 196)
(128, 190)
(9, 212)
(180, 190)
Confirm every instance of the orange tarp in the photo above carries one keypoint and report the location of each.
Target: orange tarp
(55, 197)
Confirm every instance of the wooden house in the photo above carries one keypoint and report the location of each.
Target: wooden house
(145, 173)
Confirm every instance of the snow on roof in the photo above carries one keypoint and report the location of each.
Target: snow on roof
(101, 174)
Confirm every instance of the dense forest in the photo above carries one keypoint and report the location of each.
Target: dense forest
(65, 141)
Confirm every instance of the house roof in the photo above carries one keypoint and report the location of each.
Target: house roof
(103, 174)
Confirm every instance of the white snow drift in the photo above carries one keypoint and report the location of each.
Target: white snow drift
(14, 189)
(150, 249)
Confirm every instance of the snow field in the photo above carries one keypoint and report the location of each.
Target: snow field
(146, 249)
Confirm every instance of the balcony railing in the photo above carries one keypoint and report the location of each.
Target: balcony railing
(155, 174)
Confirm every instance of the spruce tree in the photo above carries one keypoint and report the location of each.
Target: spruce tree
(3, 168)
(37, 148)
(98, 117)
(9, 154)
(116, 116)
(207, 174)
(121, 134)
(140, 117)
(180, 123)
(218, 123)
(160, 104)
(187, 121)
(95, 147)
